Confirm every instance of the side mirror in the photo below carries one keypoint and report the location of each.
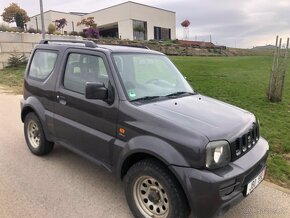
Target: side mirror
(96, 91)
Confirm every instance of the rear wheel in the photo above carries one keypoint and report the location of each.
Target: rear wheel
(34, 136)
(152, 191)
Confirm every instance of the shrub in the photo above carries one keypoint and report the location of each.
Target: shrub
(15, 29)
(4, 27)
(82, 34)
(73, 33)
(51, 28)
(15, 60)
(32, 30)
(92, 33)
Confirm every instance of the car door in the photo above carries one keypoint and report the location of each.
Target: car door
(87, 126)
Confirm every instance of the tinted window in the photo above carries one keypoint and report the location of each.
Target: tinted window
(42, 64)
(81, 68)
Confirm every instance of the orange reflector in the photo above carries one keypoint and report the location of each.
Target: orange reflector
(122, 131)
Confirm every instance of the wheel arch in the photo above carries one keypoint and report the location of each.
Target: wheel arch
(33, 105)
(139, 156)
(26, 110)
(141, 147)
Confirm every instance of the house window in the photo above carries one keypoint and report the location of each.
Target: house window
(162, 33)
(139, 30)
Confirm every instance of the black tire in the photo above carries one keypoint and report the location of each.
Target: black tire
(167, 187)
(36, 142)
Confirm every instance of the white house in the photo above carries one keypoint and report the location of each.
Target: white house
(129, 20)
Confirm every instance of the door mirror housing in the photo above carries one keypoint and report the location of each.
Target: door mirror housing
(96, 90)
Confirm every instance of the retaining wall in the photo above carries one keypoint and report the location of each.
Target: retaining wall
(22, 44)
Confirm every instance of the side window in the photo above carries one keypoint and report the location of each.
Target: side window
(81, 68)
(42, 64)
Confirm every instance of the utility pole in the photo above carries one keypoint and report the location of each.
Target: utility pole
(42, 19)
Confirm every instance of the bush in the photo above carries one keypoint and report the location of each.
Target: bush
(92, 33)
(15, 29)
(4, 28)
(15, 60)
(32, 30)
(73, 33)
(82, 34)
(51, 28)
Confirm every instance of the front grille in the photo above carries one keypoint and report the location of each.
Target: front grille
(245, 142)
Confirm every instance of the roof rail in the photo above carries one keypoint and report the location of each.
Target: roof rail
(87, 43)
(136, 46)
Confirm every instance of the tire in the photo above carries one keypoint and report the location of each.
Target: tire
(152, 191)
(34, 136)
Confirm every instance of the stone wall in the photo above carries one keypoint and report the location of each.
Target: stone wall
(22, 44)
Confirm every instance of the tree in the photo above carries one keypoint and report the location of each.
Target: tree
(92, 31)
(88, 22)
(278, 72)
(185, 24)
(60, 24)
(13, 13)
(19, 20)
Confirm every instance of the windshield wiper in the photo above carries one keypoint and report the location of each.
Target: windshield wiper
(146, 98)
(176, 94)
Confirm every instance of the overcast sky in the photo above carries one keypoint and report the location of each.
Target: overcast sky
(234, 23)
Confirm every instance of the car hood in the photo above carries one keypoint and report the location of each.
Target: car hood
(213, 119)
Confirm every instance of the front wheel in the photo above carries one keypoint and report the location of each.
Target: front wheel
(34, 135)
(152, 191)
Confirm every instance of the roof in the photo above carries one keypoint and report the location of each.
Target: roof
(82, 14)
(61, 12)
(131, 2)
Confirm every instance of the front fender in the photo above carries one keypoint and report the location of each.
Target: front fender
(152, 146)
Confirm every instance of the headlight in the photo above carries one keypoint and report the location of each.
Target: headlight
(217, 154)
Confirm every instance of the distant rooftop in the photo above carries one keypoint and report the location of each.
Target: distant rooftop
(78, 13)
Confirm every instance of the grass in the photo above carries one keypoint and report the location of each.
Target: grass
(12, 78)
(241, 81)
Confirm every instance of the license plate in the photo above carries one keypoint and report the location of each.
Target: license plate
(255, 182)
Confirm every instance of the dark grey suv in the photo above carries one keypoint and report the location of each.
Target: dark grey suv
(130, 110)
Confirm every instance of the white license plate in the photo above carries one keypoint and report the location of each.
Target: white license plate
(255, 182)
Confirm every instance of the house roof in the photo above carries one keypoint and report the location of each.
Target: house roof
(131, 2)
(82, 14)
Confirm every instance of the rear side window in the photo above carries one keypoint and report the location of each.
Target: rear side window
(42, 64)
(82, 68)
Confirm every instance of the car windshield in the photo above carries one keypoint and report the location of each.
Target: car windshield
(150, 76)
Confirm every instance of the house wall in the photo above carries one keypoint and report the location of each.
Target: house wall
(129, 11)
(21, 44)
(123, 14)
(51, 16)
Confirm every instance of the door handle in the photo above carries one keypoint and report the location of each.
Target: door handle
(61, 99)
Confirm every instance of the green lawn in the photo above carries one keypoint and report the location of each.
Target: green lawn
(12, 78)
(241, 81)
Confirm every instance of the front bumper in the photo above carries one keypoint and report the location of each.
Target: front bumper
(212, 193)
